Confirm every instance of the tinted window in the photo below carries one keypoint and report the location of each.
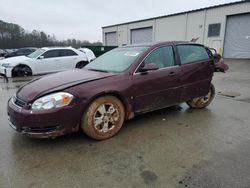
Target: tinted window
(192, 53)
(67, 53)
(32, 50)
(51, 54)
(163, 57)
(21, 51)
(214, 30)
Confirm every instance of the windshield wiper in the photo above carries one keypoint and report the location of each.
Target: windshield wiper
(98, 70)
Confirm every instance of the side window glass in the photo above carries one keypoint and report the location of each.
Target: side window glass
(21, 51)
(26, 51)
(71, 53)
(192, 53)
(163, 57)
(64, 53)
(51, 54)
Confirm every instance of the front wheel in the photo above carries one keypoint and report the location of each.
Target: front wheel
(103, 118)
(21, 70)
(202, 102)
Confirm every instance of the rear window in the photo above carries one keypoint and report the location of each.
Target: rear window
(192, 53)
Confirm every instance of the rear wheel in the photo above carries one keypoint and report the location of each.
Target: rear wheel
(81, 64)
(202, 102)
(21, 70)
(104, 118)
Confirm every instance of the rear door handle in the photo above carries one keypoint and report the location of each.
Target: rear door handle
(172, 73)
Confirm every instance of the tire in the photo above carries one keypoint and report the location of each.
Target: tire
(202, 102)
(103, 118)
(21, 71)
(81, 64)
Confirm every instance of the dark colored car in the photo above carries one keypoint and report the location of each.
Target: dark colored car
(2, 53)
(116, 86)
(20, 52)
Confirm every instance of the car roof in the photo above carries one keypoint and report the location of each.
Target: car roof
(27, 48)
(152, 44)
(56, 48)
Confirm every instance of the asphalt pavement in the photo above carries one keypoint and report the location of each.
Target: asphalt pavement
(173, 147)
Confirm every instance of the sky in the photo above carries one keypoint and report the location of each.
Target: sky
(83, 19)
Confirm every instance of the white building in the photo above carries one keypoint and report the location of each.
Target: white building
(223, 27)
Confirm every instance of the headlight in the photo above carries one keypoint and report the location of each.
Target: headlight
(6, 65)
(54, 100)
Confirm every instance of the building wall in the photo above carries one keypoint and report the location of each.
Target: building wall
(219, 15)
(195, 29)
(170, 28)
(186, 26)
(122, 35)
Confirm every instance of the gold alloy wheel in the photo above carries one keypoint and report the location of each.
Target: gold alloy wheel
(104, 118)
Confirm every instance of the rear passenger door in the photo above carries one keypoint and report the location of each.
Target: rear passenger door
(68, 59)
(196, 71)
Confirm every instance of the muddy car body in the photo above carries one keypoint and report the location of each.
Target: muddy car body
(122, 83)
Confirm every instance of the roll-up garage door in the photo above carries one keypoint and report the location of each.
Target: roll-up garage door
(111, 39)
(237, 39)
(143, 35)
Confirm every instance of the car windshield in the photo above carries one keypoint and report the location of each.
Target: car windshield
(117, 60)
(36, 53)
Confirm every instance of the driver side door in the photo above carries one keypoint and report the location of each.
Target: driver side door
(157, 88)
(48, 62)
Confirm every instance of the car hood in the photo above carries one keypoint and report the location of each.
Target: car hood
(15, 60)
(57, 82)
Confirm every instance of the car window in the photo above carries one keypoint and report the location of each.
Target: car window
(20, 51)
(32, 50)
(67, 53)
(27, 51)
(192, 53)
(163, 57)
(36, 53)
(51, 54)
(116, 60)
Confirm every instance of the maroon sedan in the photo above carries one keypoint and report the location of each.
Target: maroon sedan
(118, 85)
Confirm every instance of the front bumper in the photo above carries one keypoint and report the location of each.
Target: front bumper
(6, 71)
(44, 123)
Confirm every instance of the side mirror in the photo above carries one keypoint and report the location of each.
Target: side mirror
(41, 57)
(149, 67)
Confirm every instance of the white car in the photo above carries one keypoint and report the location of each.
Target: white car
(46, 60)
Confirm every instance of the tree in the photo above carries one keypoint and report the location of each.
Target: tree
(14, 36)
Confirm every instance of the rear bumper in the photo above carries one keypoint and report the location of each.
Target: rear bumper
(44, 123)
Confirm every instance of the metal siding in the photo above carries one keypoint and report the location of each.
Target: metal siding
(218, 15)
(143, 35)
(237, 40)
(195, 26)
(139, 25)
(186, 26)
(111, 39)
(170, 28)
(122, 35)
(108, 30)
